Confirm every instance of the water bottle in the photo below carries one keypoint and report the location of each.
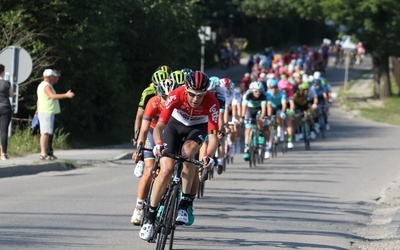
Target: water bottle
(139, 169)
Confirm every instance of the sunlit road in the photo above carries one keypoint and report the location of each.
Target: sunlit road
(317, 199)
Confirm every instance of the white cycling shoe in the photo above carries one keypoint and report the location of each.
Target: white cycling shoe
(137, 217)
(146, 231)
(183, 217)
(290, 145)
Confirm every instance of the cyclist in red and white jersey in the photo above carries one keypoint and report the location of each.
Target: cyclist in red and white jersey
(190, 113)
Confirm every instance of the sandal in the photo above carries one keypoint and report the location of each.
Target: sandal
(4, 157)
(43, 157)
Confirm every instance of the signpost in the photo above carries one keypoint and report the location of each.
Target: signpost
(204, 35)
(18, 64)
(347, 46)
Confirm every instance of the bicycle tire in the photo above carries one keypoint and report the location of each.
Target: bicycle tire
(160, 229)
(306, 135)
(254, 157)
(174, 215)
(167, 220)
(321, 122)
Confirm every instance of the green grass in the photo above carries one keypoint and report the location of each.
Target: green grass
(24, 141)
(387, 114)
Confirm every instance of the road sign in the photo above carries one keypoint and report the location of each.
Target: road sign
(205, 33)
(18, 62)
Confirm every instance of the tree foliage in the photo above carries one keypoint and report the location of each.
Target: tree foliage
(106, 51)
(374, 22)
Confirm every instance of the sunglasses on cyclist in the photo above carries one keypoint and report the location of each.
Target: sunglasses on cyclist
(199, 95)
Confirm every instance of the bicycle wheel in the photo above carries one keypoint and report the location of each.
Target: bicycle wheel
(254, 157)
(174, 214)
(250, 156)
(306, 135)
(167, 220)
(321, 122)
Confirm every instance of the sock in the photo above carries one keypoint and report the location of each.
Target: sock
(191, 199)
(220, 161)
(183, 204)
(151, 215)
(139, 203)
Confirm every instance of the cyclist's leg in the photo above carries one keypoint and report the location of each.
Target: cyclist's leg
(190, 148)
(145, 180)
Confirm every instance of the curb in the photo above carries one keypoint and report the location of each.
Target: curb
(60, 165)
(35, 169)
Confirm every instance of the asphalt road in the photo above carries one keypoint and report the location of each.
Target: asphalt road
(319, 199)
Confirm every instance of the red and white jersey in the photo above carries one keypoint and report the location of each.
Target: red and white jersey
(177, 106)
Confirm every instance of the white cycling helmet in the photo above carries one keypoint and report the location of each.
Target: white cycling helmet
(164, 87)
(257, 86)
(317, 75)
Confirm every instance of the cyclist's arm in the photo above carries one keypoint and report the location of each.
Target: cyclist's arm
(144, 129)
(157, 132)
(269, 109)
(138, 120)
(226, 113)
(212, 144)
(263, 109)
(244, 108)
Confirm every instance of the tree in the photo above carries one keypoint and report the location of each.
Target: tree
(374, 22)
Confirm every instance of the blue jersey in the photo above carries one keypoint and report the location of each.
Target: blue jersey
(319, 91)
(276, 100)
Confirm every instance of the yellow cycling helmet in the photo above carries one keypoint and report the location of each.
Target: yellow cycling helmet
(178, 76)
(159, 76)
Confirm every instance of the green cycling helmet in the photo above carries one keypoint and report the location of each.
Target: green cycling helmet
(178, 76)
(305, 85)
(159, 76)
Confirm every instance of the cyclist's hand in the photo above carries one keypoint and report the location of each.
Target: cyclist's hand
(314, 106)
(290, 112)
(208, 161)
(157, 150)
(221, 134)
(134, 142)
(241, 120)
(135, 156)
(283, 115)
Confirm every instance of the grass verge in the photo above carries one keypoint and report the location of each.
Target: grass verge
(385, 110)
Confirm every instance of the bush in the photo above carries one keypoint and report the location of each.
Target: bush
(26, 141)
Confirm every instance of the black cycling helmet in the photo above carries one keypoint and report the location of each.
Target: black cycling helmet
(197, 80)
(186, 70)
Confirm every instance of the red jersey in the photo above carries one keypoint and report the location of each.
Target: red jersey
(177, 106)
(153, 110)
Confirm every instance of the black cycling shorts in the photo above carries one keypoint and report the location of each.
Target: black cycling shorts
(175, 134)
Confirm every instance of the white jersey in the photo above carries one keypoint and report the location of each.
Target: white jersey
(231, 98)
(237, 97)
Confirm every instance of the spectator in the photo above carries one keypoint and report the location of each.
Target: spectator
(47, 107)
(6, 91)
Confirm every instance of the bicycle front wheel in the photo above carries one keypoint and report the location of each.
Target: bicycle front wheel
(171, 210)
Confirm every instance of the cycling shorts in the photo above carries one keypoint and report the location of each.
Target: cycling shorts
(277, 110)
(175, 134)
(149, 144)
(251, 116)
(301, 108)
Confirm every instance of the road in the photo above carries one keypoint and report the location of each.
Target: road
(319, 199)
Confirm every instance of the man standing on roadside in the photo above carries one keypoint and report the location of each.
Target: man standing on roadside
(47, 107)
